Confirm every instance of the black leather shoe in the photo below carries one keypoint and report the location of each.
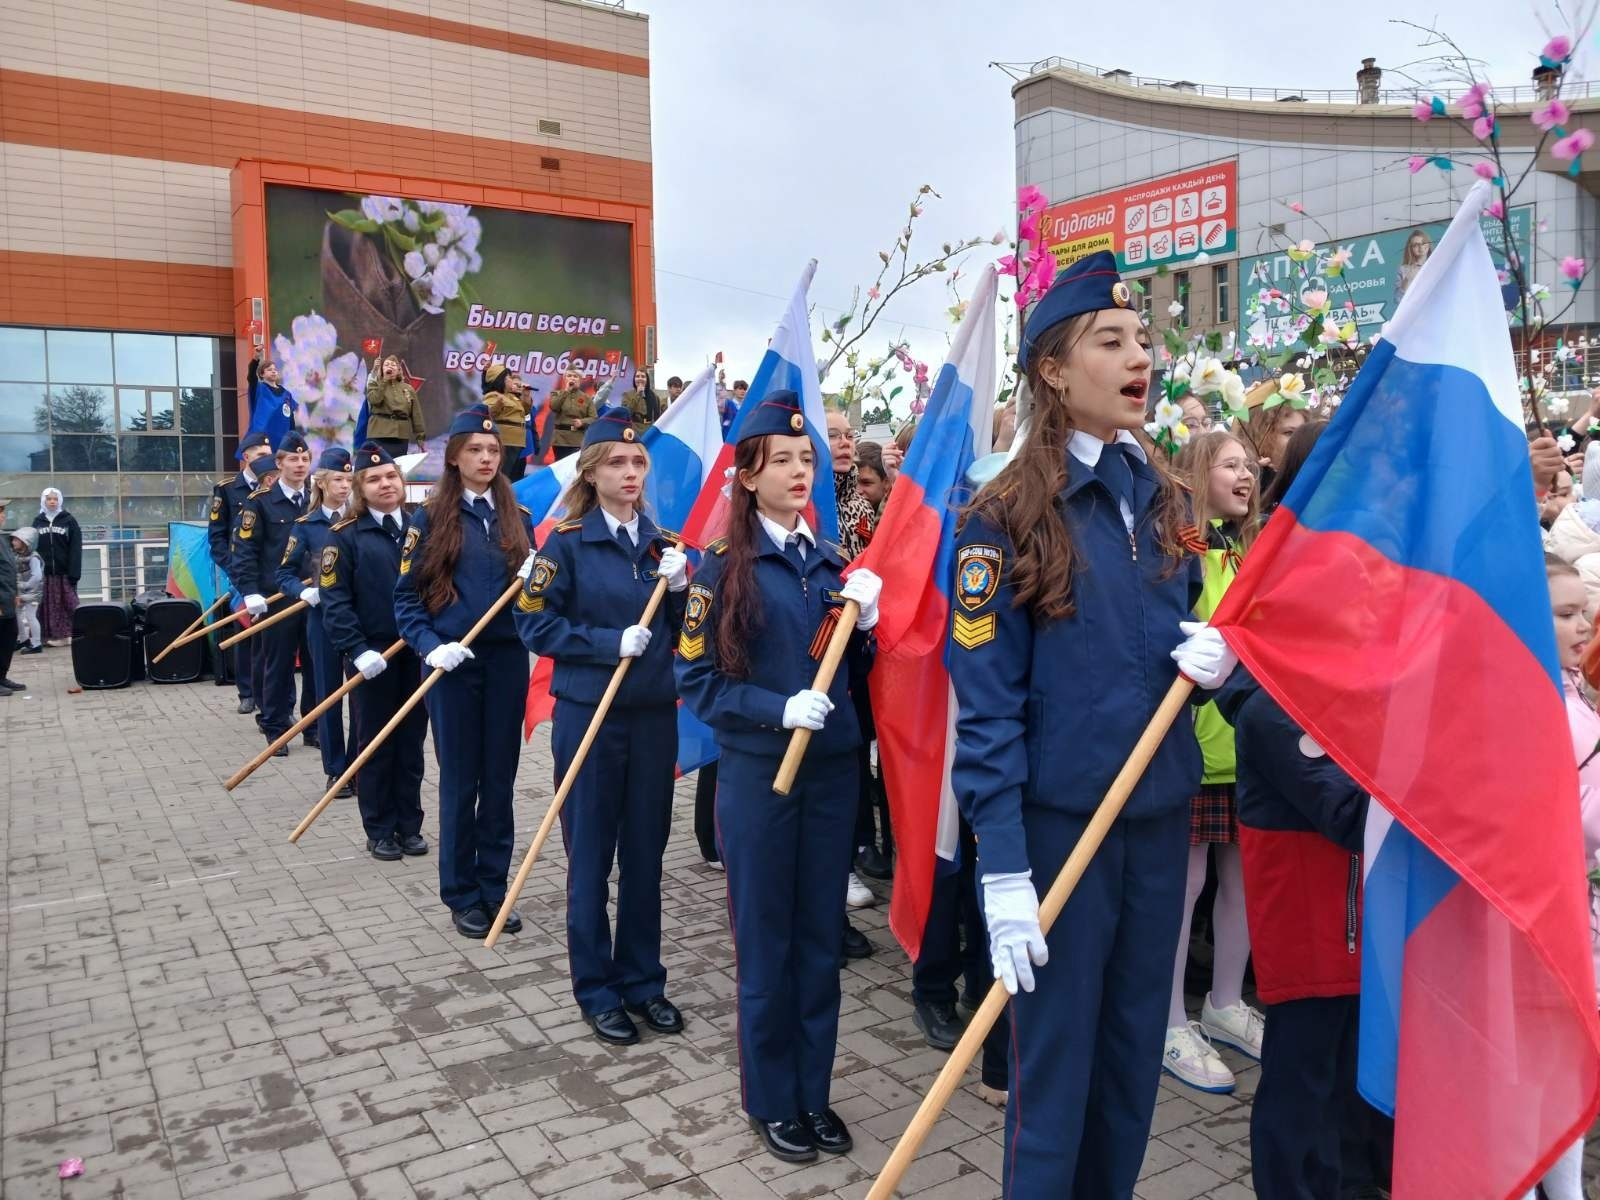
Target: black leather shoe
(413, 844)
(247, 706)
(827, 1131)
(309, 737)
(789, 1140)
(613, 1026)
(470, 922)
(342, 792)
(388, 850)
(513, 918)
(39, 649)
(873, 865)
(855, 943)
(939, 1023)
(11, 685)
(282, 751)
(660, 1014)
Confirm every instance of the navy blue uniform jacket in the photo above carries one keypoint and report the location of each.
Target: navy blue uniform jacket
(226, 499)
(747, 714)
(586, 588)
(357, 574)
(302, 553)
(261, 533)
(481, 575)
(1047, 713)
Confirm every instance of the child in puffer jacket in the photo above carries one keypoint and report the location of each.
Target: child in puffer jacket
(30, 590)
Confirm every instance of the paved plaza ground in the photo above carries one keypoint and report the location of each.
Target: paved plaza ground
(194, 1007)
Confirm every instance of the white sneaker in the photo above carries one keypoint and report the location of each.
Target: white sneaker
(1239, 1026)
(716, 865)
(858, 894)
(1190, 1059)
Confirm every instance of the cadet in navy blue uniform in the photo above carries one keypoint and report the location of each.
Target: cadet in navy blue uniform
(1072, 587)
(357, 571)
(759, 612)
(226, 499)
(464, 548)
(260, 536)
(330, 496)
(580, 609)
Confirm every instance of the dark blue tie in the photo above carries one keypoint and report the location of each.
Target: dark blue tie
(1113, 470)
(481, 507)
(391, 526)
(300, 502)
(797, 551)
(625, 541)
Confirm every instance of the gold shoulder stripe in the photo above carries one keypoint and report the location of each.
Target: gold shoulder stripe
(670, 534)
(525, 510)
(570, 526)
(719, 546)
(691, 646)
(970, 633)
(302, 520)
(260, 491)
(344, 524)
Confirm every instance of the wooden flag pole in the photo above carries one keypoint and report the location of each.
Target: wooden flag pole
(571, 774)
(228, 620)
(826, 669)
(394, 721)
(266, 622)
(1049, 909)
(344, 689)
(193, 625)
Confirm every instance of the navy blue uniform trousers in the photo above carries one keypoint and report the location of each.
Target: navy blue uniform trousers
(619, 810)
(1086, 1043)
(389, 785)
(326, 676)
(787, 858)
(246, 672)
(477, 733)
(275, 659)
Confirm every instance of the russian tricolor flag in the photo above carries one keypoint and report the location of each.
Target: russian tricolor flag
(788, 363)
(1396, 607)
(913, 551)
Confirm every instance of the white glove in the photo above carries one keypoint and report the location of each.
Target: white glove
(674, 568)
(312, 596)
(635, 639)
(806, 710)
(448, 656)
(526, 568)
(255, 604)
(863, 587)
(1203, 656)
(1016, 943)
(371, 664)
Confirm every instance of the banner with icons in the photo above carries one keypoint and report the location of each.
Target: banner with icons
(1160, 222)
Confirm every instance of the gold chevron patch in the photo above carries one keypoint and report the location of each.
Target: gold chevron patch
(970, 633)
(529, 604)
(691, 647)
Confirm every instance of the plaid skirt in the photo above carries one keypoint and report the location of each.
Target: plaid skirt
(1212, 816)
(60, 602)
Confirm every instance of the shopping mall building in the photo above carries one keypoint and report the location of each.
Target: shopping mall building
(182, 181)
(1193, 186)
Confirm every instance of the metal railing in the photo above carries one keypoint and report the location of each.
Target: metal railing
(123, 567)
(1523, 94)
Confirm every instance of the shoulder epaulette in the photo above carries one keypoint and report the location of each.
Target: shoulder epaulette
(669, 534)
(525, 510)
(225, 482)
(570, 526)
(260, 491)
(344, 524)
(303, 519)
(719, 546)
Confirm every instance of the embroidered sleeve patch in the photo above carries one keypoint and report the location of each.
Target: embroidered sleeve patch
(216, 508)
(289, 548)
(691, 646)
(977, 575)
(413, 535)
(247, 523)
(696, 608)
(969, 633)
(544, 570)
(529, 603)
(330, 558)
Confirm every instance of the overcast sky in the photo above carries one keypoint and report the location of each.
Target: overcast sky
(786, 131)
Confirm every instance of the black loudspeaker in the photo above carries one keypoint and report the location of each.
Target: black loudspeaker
(105, 646)
(164, 620)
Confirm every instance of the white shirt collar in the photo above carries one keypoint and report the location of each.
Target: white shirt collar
(473, 497)
(333, 514)
(632, 526)
(1085, 447)
(286, 489)
(781, 536)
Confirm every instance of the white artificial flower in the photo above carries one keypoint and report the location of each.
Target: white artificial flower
(416, 266)
(1233, 391)
(1175, 309)
(1558, 406)
(1167, 415)
(1207, 378)
(1180, 369)
(1181, 434)
(1291, 386)
(1566, 442)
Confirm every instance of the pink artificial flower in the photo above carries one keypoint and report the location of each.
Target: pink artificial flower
(1574, 144)
(1472, 105)
(1416, 162)
(1349, 306)
(1314, 299)
(1029, 197)
(1296, 206)
(1555, 112)
(872, 293)
(1028, 228)
(998, 239)
(1495, 209)
(1007, 264)
(1572, 268)
(1484, 170)
(921, 375)
(1043, 273)
(1558, 49)
(1422, 111)
(1482, 128)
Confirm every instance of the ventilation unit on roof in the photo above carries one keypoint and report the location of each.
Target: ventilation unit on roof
(546, 163)
(553, 128)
